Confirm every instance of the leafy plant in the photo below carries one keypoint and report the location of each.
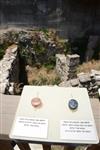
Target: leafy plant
(56, 81)
(49, 66)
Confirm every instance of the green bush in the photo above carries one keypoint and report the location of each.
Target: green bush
(42, 47)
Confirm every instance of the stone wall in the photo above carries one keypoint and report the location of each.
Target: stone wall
(66, 66)
(90, 80)
(9, 70)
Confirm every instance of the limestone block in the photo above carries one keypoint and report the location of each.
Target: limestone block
(11, 89)
(71, 68)
(61, 65)
(98, 83)
(9, 69)
(83, 78)
(74, 82)
(61, 58)
(97, 78)
(3, 87)
(72, 76)
(95, 72)
(72, 60)
(4, 76)
(65, 84)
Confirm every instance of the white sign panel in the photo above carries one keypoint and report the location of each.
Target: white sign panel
(54, 121)
(31, 127)
(77, 130)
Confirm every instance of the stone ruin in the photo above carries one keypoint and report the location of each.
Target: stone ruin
(9, 72)
(66, 67)
(12, 71)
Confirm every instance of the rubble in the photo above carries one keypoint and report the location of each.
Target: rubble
(67, 69)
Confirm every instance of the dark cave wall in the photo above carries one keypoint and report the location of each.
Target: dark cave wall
(71, 18)
(82, 17)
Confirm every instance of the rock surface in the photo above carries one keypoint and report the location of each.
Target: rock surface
(66, 66)
(70, 18)
(9, 69)
(70, 78)
(92, 43)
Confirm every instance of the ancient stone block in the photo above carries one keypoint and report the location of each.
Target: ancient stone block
(9, 69)
(83, 78)
(74, 82)
(72, 60)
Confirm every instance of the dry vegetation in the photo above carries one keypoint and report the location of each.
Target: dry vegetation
(42, 76)
(88, 66)
(45, 76)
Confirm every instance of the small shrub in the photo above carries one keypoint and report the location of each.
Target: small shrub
(42, 80)
(56, 81)
(41, 46)
(49, 66)
(87, 67)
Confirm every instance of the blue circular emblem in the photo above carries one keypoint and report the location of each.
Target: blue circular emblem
(73, 104)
